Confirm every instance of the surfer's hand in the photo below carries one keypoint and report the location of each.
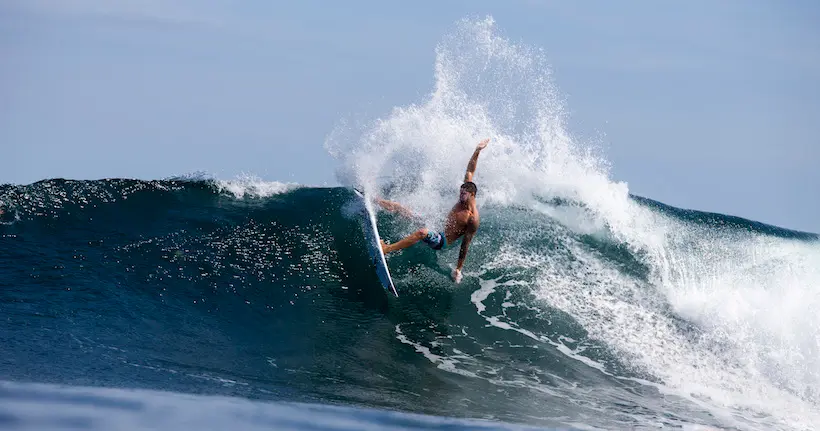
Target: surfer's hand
(483, 144)
(456, 275)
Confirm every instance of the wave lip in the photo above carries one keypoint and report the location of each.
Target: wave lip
(246, 186)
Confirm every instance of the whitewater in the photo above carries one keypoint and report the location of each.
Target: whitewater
(583, 306)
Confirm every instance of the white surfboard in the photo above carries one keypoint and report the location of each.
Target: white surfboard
(374, 248)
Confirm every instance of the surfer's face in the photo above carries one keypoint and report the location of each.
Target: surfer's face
(467, 191)
(464, 196)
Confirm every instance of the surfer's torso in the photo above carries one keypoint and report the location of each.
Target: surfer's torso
(461, 219)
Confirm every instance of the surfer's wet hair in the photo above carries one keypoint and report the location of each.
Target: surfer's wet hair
(470, 187)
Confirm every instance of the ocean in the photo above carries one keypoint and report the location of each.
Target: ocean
(202, 303)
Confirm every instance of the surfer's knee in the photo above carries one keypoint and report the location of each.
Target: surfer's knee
(420, 234)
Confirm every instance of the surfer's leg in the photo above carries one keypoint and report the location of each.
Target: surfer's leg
(395, 207)
(406, 241)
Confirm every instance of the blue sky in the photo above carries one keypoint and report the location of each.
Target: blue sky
(704, 105)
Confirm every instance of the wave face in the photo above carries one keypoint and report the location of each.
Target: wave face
(184, 286)
(582, 305)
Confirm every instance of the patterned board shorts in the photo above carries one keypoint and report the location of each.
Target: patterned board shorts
(436, 240)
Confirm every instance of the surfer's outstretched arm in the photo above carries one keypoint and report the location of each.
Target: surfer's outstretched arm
(395, 207)
(474, 160)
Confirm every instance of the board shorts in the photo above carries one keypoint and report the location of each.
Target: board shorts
(436, 240)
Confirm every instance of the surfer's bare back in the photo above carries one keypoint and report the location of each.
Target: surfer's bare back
(462, 221)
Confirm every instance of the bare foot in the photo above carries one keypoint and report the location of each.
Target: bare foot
(385, 247)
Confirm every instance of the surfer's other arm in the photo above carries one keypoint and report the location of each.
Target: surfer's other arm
(474, 160)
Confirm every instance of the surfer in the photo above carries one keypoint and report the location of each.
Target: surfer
(462, 221)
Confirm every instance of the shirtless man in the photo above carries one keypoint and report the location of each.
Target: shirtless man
(462, 221)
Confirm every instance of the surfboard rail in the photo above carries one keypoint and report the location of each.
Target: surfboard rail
(374, 248)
